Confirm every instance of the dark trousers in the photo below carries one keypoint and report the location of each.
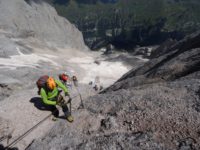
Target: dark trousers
(55, 111)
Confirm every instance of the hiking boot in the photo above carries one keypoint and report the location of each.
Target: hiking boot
(54, 119)
(70, 118)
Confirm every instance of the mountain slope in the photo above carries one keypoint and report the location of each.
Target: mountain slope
(35, 41)
(153, 107)
(32, 38)
(36, 19)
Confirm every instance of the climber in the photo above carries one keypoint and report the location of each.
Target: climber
(48, 89)
(96, 83)
(75, 81)
(65, 79)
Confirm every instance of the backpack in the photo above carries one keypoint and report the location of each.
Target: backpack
(42, 83)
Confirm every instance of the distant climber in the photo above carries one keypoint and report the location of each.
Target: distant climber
(100, 88)
(96, 88)
(75, 81)
(76, 86)
(48, 89)
(96, 84)
(97, 62)
(66, 79)
(109, 49)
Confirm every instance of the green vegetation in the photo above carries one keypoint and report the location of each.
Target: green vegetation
(140, 22)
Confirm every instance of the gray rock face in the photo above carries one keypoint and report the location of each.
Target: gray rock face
(27, 27)
(7, 47)
(37, 19)
(156, 106)
(5, 91)
(180, 60)
(6, 129)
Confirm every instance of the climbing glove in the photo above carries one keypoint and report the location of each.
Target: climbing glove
(60, 101)
(66, 94)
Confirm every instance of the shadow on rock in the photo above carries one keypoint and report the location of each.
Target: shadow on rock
(37, 101)
(198, 93)
(3, 148)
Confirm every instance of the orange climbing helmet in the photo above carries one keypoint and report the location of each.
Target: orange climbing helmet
(51, 84)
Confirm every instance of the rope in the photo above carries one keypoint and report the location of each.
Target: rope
(30, 130)
(79, 95)
(26, 133)
(74, 96)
